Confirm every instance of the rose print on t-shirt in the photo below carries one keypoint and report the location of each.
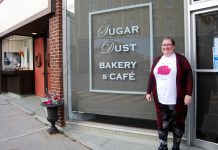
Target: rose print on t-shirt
(163, 70)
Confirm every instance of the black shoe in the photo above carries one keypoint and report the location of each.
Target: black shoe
(175, 148)
(162, 147)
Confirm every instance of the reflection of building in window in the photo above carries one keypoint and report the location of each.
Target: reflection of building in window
(130, 2)
(169, 3)
(214, 20)
(111, 22)
(109, 3)
(169, 25)
(12, 58)
(17, 51)
(93, 5)
(117, 3)
(156, 26)
(154, 3)
(70, 6)
(131, 22)
(206, 20)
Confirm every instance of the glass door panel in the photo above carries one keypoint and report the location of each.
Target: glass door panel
(207, 106)
(207, 75)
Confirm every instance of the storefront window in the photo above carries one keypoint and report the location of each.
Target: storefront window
(17, 53)
(207, 41)
(116, 38)
(207, 128)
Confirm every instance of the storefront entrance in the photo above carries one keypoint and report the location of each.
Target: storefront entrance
(39, 67)
(205, 66)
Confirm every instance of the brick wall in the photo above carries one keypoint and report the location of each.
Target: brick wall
(55, 53)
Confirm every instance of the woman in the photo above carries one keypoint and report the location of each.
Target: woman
(170, 84)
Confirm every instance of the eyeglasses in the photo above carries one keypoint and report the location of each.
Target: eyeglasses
(164, 45)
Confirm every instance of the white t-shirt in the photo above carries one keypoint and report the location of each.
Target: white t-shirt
(165, 73)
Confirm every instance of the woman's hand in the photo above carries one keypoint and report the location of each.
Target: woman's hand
(187, 99)
(149, 97)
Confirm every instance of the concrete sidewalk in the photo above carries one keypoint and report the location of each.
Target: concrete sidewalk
(94, 135)
(20, 131)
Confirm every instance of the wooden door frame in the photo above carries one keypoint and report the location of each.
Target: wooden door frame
(45, 64)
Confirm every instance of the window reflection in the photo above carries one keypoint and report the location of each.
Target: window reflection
(17, 53)
(207, 31)
(207, 106)
(207, 94)
(119, 105)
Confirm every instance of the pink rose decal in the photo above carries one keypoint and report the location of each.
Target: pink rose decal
(163, 70)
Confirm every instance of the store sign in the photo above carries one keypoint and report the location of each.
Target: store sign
(120, 49)
(110, 46)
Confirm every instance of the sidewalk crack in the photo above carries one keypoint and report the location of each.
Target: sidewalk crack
(31, 132)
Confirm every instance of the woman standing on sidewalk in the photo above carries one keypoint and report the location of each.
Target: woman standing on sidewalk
(170, 84)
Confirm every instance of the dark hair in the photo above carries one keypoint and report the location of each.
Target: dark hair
(171, 39)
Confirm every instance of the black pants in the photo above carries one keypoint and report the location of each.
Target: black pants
(169, 116)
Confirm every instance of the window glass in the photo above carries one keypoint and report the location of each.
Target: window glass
(169, 25)
(17, 53)
(207, 113)
(207, 40)
(207, 58)
(169, 3)
(136, 25)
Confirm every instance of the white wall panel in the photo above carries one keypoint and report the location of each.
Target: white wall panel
(13, 12)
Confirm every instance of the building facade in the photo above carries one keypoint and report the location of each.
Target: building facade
(98, 54)
(110, 46)
(31, 48)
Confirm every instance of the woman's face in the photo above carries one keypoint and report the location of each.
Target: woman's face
(167, 47)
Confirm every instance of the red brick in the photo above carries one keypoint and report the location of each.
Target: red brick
(55, 51)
